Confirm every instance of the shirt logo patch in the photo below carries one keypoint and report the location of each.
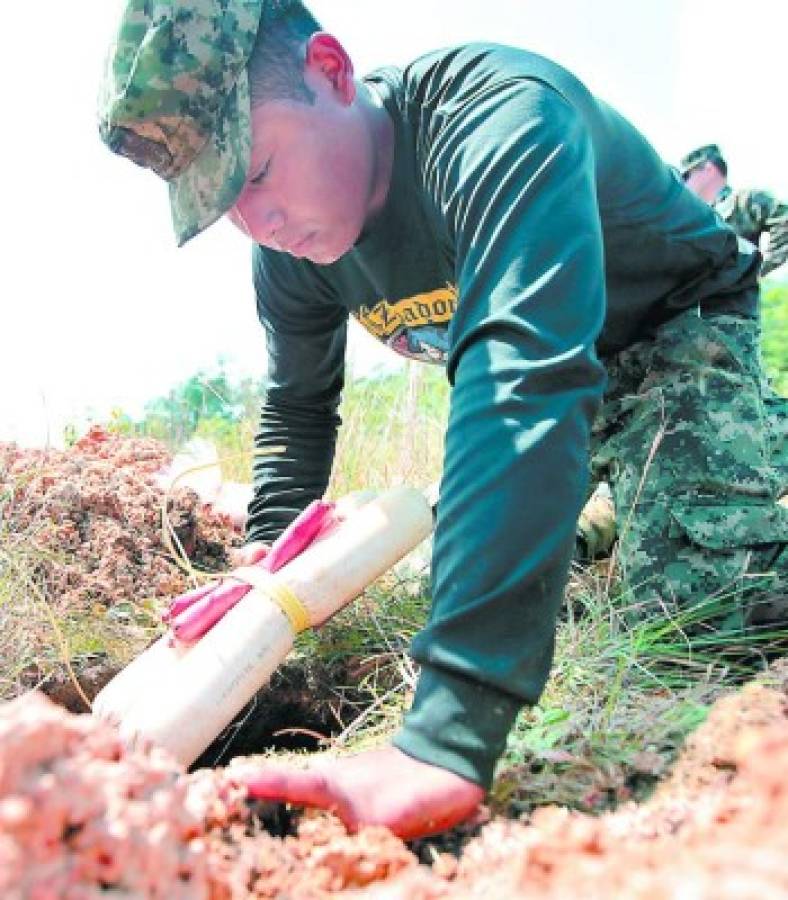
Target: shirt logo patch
(416, 327)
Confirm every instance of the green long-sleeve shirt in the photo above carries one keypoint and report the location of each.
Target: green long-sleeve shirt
(529, 231)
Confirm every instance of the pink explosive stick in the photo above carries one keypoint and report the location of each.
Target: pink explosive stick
(298, 535)
(195, 613)
(184, 601)
(199, 618)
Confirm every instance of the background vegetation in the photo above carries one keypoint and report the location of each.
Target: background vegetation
(775, 334)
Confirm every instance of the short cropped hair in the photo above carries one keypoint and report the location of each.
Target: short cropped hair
(276, 64)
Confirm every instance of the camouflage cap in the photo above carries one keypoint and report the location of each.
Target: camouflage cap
(175, 98)
(699, 156)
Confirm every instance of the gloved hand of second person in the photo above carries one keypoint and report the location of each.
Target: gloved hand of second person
(194, 613)
(376, 787)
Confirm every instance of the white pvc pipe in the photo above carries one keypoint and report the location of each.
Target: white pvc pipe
(182, 698)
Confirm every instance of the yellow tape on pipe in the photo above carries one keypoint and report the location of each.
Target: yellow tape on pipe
(277, 592)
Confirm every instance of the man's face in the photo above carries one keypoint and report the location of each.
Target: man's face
(704, 180)
(310, 179)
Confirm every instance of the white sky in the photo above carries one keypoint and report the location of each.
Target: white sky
(100, 307)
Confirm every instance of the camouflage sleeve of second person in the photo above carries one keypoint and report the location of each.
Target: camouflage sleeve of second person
(756, 213)
(777, 226)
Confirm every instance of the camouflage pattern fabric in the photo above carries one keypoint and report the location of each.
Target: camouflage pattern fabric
(684, 439)
(175, 98)
(777, 424)
(753, 213)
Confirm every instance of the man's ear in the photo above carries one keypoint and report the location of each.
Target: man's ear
(327, 60)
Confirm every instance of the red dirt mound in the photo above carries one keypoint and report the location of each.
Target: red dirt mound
(80, 817)
(91, 516)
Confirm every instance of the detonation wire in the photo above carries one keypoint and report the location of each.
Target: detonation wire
(169, 535)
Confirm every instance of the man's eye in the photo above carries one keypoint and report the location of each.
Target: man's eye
(258, 178)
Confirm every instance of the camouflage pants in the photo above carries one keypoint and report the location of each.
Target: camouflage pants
(696, 455)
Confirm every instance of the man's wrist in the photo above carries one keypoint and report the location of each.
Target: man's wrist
(458, 724)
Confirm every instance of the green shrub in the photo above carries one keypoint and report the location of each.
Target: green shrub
(775, 334)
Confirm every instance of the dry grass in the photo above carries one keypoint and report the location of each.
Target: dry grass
(392, 433)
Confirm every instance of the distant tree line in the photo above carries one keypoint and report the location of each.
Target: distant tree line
(212, 400)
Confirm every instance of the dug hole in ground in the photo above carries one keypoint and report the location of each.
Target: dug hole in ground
(84, 573)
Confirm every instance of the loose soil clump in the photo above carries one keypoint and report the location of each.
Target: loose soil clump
(94, 514)
(83, 817)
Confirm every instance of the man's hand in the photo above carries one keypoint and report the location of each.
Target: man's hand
(378, 787)
(249, 554)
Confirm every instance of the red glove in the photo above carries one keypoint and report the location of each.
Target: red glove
(193, 614)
